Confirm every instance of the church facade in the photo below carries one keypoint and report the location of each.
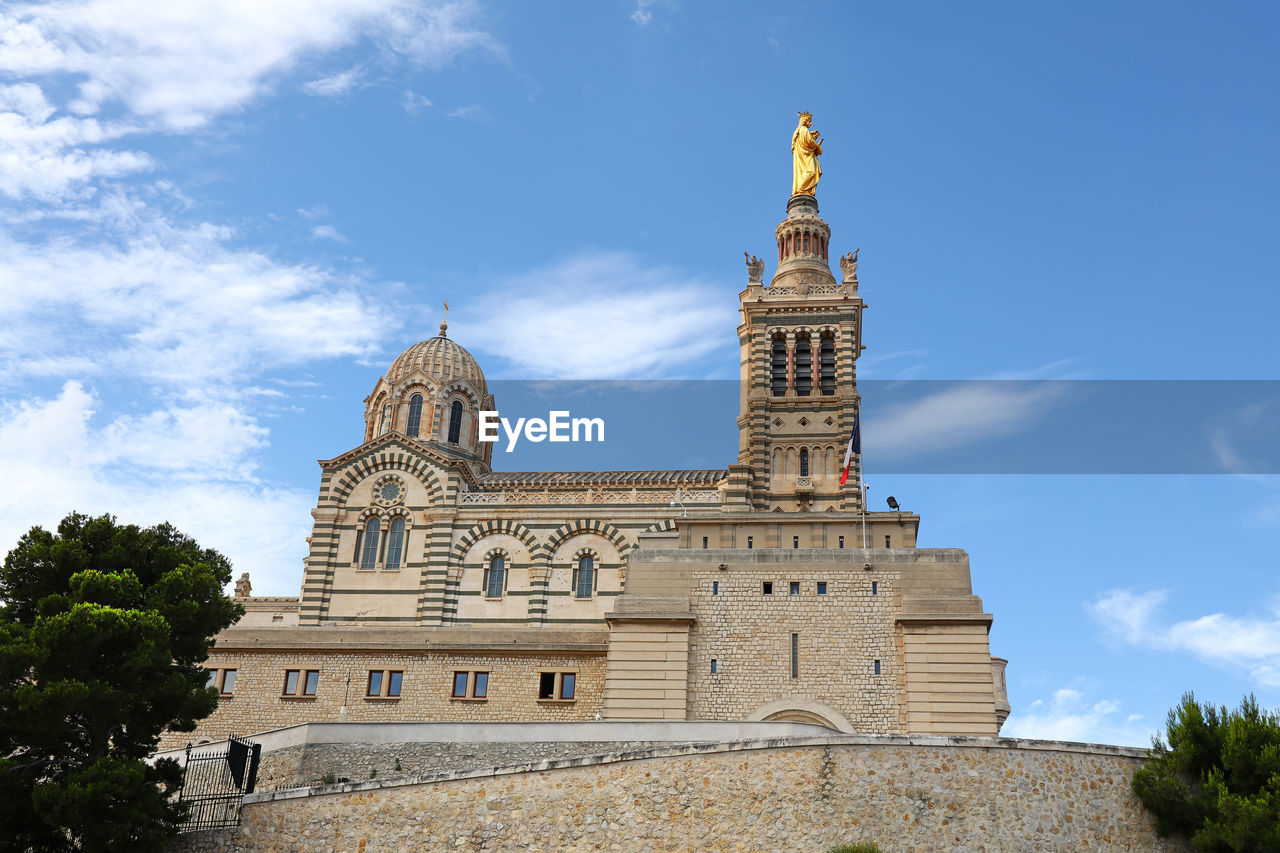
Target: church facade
(436, 588)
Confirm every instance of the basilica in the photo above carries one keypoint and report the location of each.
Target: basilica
(439, 589)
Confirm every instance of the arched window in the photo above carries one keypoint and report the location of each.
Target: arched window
(584, 577)
(455, 421)
(778, 368)
(395, 544)
(415, 416)
(804, 367)
(495, 577)
(804, 462)
(369, 553)
(827, 365)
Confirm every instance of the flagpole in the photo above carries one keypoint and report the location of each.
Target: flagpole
(862, 484)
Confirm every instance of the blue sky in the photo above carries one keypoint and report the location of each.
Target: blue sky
(220, 221)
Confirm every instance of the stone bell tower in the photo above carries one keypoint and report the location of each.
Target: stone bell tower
(800, 339)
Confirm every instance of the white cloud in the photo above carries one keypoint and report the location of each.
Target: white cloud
(472, 112)
(190, 466)
(1070, 714)
(172, 67)
(46, 158)
(1250, 642)
(599, 316)
(179, 306)
(641, 14)
(962, 413)
(414, 103)
(333, 86)
(182, 63)
(328, 232)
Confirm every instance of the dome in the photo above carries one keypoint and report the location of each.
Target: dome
(440, 359)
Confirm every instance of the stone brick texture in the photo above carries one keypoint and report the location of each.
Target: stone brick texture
(765, 796)
(358, 762)
(426, 693)
(840, 636)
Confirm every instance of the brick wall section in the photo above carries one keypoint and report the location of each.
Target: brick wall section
(425, 695)
(840, 636)
(905, 796)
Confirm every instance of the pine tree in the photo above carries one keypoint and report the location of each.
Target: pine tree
(1217, 780)
(103, 630)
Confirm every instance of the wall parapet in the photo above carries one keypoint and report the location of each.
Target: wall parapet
(790, 792)
(700, 746)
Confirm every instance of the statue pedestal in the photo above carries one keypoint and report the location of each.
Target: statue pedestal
(802, 204)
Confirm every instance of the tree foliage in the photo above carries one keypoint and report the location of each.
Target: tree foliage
(103, 630)
(1217, 780)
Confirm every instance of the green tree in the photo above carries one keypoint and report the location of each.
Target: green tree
(103, 630)
(1217, 780)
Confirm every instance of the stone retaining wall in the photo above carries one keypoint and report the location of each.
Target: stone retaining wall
(309, 764)
(788, 794)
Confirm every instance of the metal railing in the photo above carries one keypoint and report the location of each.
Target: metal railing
(215, 781)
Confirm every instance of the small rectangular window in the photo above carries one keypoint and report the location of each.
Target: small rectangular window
(290, 682)
(822, 587)
(794, 588)
(877, 667)
(394, 681)
(277, 617)
(228, 682)
(841, 542)
(767, 587)
(375, 683)
(888, 541)
(795, 655)
(713, 666)
(311, 683)
(715, 587)
(704, 542)
(213, 678)
(874, 588)
(557, 685)
(795, 541)
(750, 542)
(470, 685)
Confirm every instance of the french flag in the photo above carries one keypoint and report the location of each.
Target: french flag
(855, 446)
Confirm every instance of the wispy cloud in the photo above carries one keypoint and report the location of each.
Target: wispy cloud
(180, 64)
(328, 232)
(414, 103)
(137, 67)
(1250, 642)
(642, 15)
(601, 316)
(472, 112)
(1074, 714)
(173, 305)
(959, 414)
(334, 85)
(143, 469)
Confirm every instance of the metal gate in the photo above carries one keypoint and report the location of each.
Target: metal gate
(215, 781)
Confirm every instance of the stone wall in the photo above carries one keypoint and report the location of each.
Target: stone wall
(802, 794)
(309, 764)
(426, 693)
(839, 637)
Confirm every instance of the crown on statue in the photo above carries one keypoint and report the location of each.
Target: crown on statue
(806, 115)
